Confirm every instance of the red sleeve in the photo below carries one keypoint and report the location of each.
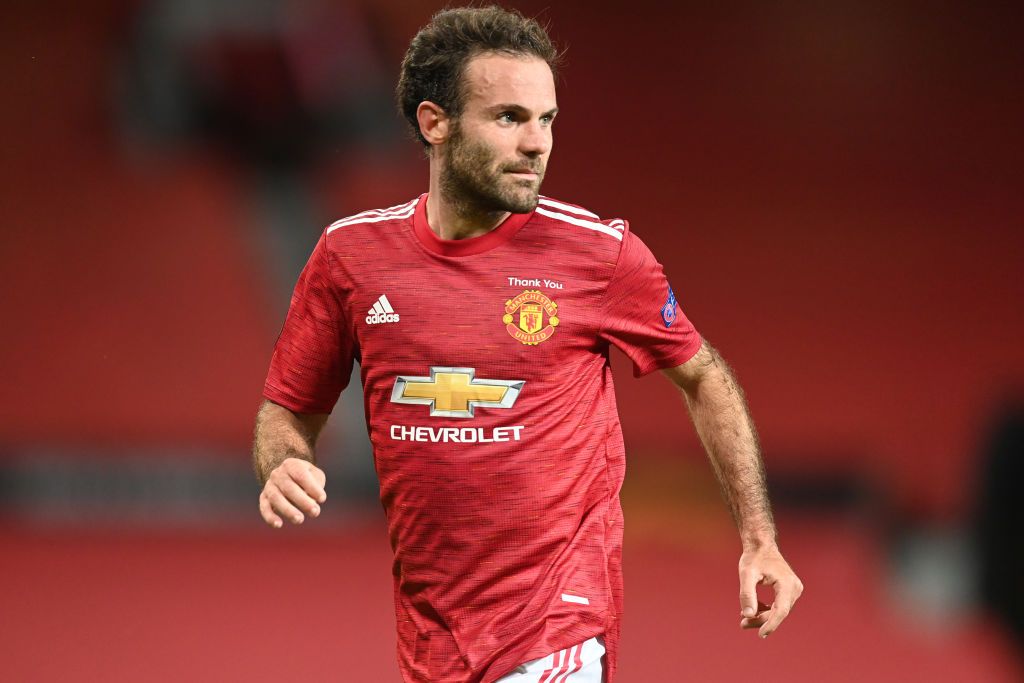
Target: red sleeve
(312, 359)
(641, 315)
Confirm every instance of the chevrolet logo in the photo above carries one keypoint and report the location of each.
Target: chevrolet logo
(455, 392)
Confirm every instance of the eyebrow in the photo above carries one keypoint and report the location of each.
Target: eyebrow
(519, 109)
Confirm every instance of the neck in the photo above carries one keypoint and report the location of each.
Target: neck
(454, 218)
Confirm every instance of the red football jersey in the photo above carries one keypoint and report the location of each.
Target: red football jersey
(491, 410)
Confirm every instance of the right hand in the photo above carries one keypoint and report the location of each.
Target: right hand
(294, 489)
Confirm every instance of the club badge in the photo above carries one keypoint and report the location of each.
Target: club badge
(525, 317)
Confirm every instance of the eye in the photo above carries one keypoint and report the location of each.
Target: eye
(547, 119)
(507, 117)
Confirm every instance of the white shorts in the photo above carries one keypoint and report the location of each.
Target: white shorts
(578, 664)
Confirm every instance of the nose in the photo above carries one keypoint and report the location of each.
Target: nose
(535, 140)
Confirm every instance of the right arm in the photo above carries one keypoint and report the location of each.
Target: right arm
(285, 463)
(311, 365)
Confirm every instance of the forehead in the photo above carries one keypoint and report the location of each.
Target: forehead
(492, 79)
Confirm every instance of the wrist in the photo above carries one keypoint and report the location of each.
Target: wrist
(761, 539)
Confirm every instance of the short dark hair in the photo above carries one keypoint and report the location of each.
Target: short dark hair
(437, 56)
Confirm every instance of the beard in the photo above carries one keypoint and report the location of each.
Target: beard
(473, 180)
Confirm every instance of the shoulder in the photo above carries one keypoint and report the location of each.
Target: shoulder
(609, 241)
(580, 223)
(369, 221)
(597, 241)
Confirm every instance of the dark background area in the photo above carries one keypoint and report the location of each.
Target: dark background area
(834, 190)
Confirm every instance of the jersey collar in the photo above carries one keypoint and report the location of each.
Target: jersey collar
(466, 247)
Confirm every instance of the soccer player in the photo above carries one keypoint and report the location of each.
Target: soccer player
(481, 314)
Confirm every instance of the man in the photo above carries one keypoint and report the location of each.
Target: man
(481, 314)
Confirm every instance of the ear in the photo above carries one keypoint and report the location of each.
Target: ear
(434, 122)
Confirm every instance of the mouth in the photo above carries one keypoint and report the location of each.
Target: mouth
(523, 174)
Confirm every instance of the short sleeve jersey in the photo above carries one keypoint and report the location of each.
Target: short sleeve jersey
(491, 411)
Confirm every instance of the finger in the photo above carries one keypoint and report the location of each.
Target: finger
(748, 592)
(268, 514)
(318, 476)
(785, 596)
(312, 479)
(299, 498)
(283, 507)
(758, 619)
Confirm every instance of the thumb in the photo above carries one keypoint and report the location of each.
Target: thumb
(748, 593)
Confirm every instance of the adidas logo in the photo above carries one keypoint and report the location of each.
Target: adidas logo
(381, 312)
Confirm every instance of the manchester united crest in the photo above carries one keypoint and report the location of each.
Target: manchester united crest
(531, 317)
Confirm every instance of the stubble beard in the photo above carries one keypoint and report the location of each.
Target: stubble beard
(475, 183)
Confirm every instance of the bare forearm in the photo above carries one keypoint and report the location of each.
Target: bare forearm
(281, 434)
(723, 422)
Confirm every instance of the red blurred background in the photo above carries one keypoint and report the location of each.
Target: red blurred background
(834, 189)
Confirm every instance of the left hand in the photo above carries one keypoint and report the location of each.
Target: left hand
(766, 565)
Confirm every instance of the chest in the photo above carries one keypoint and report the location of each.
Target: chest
(502, 314)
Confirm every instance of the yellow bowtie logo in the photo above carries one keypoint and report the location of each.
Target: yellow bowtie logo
(455, 392)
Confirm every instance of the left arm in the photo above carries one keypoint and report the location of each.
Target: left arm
(723, 422)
